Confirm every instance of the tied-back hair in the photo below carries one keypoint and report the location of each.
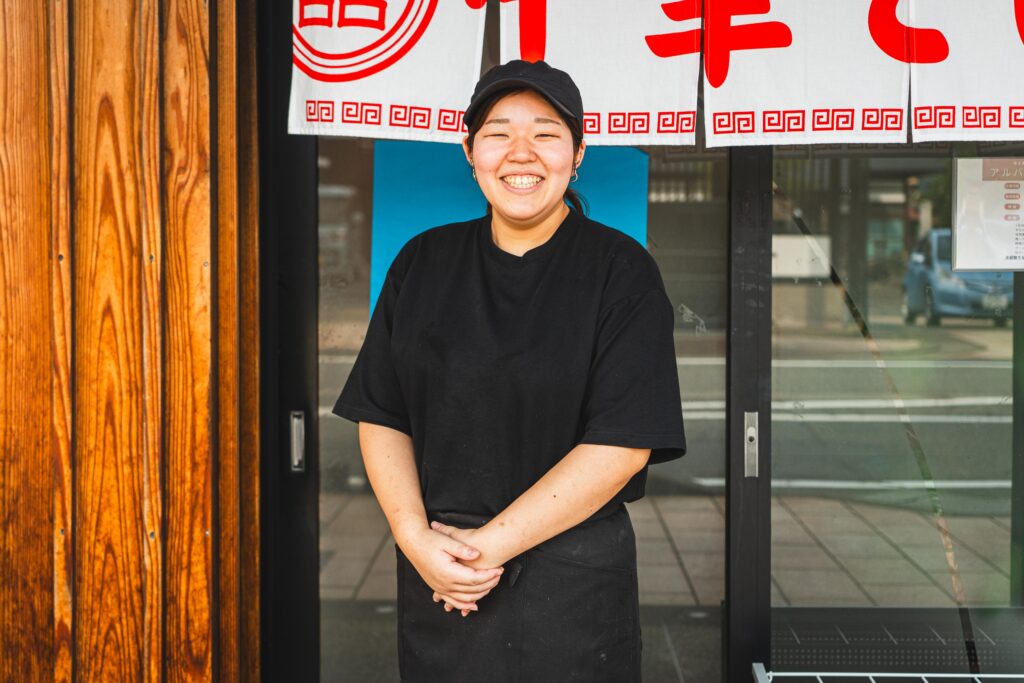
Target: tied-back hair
(571, 196)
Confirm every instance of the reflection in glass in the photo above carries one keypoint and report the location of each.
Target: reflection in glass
(892, 420)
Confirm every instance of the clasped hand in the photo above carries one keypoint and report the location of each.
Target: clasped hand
(454, 562)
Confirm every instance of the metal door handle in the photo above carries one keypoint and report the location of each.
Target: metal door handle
(750, 444)
(298, 441)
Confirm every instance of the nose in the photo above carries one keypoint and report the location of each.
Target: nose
(521, 150)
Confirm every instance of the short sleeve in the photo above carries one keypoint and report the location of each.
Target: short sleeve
(372, 392)
(633, 389)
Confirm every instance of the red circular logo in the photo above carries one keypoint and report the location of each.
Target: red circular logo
(345, 40)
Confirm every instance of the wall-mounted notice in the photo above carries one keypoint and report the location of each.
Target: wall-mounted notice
(988, 222)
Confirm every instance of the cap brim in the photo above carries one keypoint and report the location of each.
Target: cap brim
(512, 84)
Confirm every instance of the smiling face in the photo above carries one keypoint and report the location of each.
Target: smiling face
(523, 157)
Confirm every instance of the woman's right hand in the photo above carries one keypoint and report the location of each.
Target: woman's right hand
(436, 557)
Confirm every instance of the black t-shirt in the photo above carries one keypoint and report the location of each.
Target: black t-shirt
(497, 365)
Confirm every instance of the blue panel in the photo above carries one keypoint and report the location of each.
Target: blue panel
(417, 185)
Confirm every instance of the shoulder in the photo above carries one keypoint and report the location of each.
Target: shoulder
(430, 243)
(627, 267)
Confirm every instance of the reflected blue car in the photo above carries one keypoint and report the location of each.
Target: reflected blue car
(931, 289)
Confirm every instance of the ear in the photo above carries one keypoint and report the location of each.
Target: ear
(579, 155)
(465, 150)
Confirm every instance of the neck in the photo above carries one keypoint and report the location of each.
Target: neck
(518, 237)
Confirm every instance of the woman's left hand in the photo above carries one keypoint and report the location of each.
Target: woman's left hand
(490, 555)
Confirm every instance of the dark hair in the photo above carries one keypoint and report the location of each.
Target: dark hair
(575, 199)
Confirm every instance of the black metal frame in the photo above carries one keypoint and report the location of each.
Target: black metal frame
(289, 526)
(1017, 485)
(747, 606)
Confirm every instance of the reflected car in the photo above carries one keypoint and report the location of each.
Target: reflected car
(931, 289)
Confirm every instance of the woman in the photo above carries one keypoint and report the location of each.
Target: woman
(517, 377)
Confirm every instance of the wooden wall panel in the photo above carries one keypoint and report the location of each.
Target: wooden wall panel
(152, 279)
(190, 433)
(228, 364)
(129, 344)
(109, 205)
(249, 375)
(26, 486)
(60, 225)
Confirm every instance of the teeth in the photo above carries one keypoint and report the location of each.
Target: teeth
(522, 181)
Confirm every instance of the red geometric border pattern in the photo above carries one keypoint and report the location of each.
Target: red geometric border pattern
(677, 121)
(367, 113)
(981, 117)
(684, 122)
(939, 116)
(320, 111)
(635, 122)
(732, 122)
(408, 116)
(451, 120)
(832, 119)
(882, 119)
(788, 121)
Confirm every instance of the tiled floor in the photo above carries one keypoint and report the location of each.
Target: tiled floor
(825, 552)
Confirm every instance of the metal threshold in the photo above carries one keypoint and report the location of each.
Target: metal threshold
(762, 676)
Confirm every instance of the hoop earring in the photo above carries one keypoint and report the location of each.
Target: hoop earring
(575, 175)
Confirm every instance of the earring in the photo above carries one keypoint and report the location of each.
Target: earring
(575, 175)
(474, 172)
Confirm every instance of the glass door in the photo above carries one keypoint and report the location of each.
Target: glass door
(679, 525)
(892, 423)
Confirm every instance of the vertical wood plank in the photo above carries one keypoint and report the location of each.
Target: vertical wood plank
(151, 268)
(26, 477)
(109, 599)
(189, 349)
(60, 203)
(249, 375)
(227, 343)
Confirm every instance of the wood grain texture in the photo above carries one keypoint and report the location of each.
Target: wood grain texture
(227, 344)
(249, 374)
(151, 265)
(26, 440)
(60, 262)
(189, 407)
(109, 599)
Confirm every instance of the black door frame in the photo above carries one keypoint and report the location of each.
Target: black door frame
(289, 510)
(747, 609)
(289, 552)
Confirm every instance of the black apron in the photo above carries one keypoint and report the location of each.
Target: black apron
(565, 610)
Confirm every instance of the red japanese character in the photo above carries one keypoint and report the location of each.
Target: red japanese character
(901, 42)
(532, 27)
(1018, 8)
(325, 17)
(721, 38)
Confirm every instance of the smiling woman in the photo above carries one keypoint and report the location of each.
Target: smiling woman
(517, 377)
(523, 154)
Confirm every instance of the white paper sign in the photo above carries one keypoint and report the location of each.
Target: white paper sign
(803, 72)
(631, 95)
(402, 69)
(988, 223)
(969, 85)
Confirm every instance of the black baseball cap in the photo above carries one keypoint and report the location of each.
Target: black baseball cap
(554, 84)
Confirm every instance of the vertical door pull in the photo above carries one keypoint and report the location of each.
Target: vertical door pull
(750, 444)
(298, 439)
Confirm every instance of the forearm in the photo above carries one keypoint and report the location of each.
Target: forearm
(391, 468)
(571, 491)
